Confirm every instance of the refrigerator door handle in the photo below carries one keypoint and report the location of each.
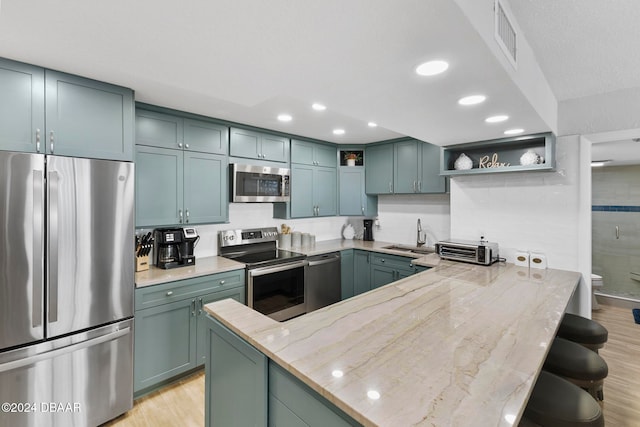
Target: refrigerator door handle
(19, 363)
(38, 231)
(53, 246)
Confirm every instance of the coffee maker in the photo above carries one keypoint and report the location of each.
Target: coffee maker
(175, 247)
(189, 240)
(368, 230)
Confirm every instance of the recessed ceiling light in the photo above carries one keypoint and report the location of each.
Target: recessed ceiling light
(338, 131)
(471, 100)
(496, 119)
(285, 117)
(372, 124)
(513, 131)
(432, 68)
(318, 107)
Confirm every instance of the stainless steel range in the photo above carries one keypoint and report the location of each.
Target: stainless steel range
(276, 278)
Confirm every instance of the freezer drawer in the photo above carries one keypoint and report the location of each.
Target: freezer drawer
(80, 380)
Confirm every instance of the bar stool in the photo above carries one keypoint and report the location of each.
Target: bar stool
(586, 332)
(578, 365)
(555, 402)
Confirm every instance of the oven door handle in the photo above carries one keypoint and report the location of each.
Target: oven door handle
(261, 271)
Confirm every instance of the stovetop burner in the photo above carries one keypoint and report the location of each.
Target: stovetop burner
(255, 247)
(269, 257)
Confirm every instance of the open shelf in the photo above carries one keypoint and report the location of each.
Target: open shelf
(494, 154)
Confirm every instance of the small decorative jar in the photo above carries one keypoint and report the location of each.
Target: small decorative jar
(463, 162)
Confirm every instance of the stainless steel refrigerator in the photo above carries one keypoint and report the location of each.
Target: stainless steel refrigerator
(66, 290)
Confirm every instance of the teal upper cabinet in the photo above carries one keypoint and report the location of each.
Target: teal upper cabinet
(177, 187)
(379, 169)
(87, 118)
(159, 186)
(405, 176)
(257, 145)
(51, 112)
(353, 200)
(205, 188)
(176, 132)
(181, 166)
(404, 167)
(417, 168)
(314, 154)
(313, 191)
(429, 178)
(21, 107)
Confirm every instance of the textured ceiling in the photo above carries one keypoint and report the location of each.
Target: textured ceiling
(584, 47)
(249, 60)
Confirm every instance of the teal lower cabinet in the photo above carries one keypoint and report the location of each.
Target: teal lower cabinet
(236, 380)
(361, 271)
(389, 268)
(293, 403)
(171, 334)
(244, 388)
(346, 273)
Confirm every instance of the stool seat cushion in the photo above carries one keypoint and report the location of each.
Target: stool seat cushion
(556, 402)
(582, 330)
(571, 360)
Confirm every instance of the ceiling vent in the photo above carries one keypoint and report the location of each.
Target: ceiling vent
(505, 34)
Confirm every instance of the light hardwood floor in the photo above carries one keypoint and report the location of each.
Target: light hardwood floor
(182, 403)
(622, 354)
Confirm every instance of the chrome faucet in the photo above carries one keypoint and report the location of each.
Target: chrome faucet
(421, 235)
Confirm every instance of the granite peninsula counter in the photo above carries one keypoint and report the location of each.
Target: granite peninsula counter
(457, 345)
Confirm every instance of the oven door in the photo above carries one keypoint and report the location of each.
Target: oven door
(278, 291)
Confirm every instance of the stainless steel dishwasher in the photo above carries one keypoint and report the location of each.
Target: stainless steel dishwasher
(323, 281)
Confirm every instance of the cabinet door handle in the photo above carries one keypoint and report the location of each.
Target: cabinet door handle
(201, 306)
(362, 209)
(193, 307)
(617, 232)
(419, 186)
(51, 140)
(37, 140)
(179, 144)
(180, 216)
(186, 145)
(381, 259)
(187, 216)
(169, 293)
(222, 282)
(390, 187)
(415, 186)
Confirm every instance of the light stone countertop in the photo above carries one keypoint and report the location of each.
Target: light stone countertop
(456, 345)
(217, 264)
(203, 267)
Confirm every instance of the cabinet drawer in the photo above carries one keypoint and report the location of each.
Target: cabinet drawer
(393, 261)
(165, 293)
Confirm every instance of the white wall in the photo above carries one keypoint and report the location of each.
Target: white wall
(398, 216)
(534, 211)
(254, 215)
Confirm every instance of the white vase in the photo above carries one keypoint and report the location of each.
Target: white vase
(463, 162)
(351, 162)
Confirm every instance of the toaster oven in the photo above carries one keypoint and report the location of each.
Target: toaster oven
(475, 252)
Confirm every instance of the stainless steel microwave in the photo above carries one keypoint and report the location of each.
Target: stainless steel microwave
(252, 183)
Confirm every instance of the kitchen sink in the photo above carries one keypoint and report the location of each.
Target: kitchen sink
(411, 249)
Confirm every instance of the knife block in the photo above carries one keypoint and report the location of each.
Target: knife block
(142, 263)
